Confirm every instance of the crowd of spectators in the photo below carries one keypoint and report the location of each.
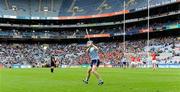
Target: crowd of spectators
(167, 49)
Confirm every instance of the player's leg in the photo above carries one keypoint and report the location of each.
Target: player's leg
(136, 65)
(153, 67)
(154, 64)
(139, 65)
(125, 65)
(94, 71)
(132, 64)
(52, 69)
(88, 76)
(146, 64)
(94, 68)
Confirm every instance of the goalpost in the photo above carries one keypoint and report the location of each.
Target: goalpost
(147, 32)
(124, 28)
(148, 38)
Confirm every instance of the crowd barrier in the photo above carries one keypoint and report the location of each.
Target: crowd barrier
(87, 65)
(168, 65)
(21, 66)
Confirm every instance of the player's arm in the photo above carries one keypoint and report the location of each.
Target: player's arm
(95, 47)
(100, 50)
(87, 50)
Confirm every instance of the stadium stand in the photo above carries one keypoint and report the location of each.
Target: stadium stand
(55, 8)
(38, 54)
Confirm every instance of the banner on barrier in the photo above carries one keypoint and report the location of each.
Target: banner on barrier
(169, 65)
(85, 65)
(97, 35)
(94, 16)
(25, 66)
(16, 66)
(144, 30)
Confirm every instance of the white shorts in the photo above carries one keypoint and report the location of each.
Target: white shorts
(133, 63)
(153, 61)
(140, 63)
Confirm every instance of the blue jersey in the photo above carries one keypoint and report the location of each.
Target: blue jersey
(93, 53)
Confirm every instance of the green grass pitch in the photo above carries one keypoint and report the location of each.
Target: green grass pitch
(70, 80)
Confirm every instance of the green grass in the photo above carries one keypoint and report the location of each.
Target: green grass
(70, 80)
